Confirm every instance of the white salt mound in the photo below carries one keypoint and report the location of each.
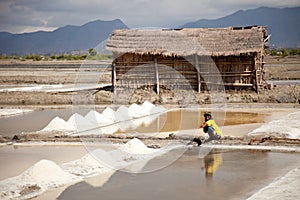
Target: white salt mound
(46, 173)
(122, 114)
(85, 166)
(80, 123)
(136, 111)
(94, 116)
(109, 121)
(136, 146)
(288, 126)
(58, 124)
(123, 119)
(147, 106)
(5, 112)
(109, 113)
(105, 125)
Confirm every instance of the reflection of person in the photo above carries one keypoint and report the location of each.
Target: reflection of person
(211, 128)
(211, 163)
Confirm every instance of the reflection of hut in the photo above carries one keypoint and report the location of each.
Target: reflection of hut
(198, 58)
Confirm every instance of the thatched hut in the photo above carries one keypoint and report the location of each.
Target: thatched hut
(197, 58)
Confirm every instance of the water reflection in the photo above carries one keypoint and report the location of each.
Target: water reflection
(211, 163)
(184, 119)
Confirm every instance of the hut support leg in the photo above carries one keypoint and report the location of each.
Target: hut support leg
(113, 78)
(198, 73)
(156, 75)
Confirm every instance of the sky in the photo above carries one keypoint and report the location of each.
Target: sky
(19, 16)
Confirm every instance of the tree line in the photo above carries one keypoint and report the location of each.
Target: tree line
(94, 55)
(91, 55)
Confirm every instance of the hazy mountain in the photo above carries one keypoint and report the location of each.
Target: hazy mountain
(61, 40)
(283, 24)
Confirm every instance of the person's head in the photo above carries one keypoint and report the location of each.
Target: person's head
(207, 116)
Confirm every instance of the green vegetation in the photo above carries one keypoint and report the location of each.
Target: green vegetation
(283, 52)
(91, 55)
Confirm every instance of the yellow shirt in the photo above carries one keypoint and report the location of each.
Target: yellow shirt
(213, 124)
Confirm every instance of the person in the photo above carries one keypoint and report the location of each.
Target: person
(211, 128)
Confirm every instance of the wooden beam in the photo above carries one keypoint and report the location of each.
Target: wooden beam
(198, 72)
(156, 75)
(113, 77)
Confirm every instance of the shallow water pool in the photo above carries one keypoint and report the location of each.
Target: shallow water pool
(219, 175)
(173, 120)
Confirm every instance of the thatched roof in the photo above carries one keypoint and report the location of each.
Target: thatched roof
(189, 41)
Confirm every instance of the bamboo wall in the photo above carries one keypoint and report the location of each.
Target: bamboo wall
(231, 72)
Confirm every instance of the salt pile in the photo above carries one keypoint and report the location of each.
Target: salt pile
(82, 125)
(86, 166)
(107, 122)
(109, 114)
(6, 112)
(136, 146)
(98, 118)
(130, 157)
(123, 119)
(152, 109)
(147, 106)
(58, 124)
(288, 126)
(40, 177)
(45, 174)
(136, 111)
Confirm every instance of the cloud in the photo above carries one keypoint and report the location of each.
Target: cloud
(21, 15)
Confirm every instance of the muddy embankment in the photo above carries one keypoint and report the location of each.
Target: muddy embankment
(154, 142)
(16, 73)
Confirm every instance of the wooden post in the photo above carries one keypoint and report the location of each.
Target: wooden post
(257, 72)
(113, 77)
(156, 75)
(198, 72)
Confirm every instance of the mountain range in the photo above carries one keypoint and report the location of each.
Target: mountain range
(282, 23)
(62, 40)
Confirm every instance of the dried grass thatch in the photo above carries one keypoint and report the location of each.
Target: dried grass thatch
(184, 42)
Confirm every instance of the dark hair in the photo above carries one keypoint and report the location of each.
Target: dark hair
(207, 114)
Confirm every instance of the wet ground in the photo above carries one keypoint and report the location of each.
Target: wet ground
(227, 175)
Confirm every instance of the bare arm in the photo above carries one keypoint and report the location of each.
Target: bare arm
(203, 125)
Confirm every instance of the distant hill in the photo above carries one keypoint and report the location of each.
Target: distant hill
(283, 24)
(61, 40)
